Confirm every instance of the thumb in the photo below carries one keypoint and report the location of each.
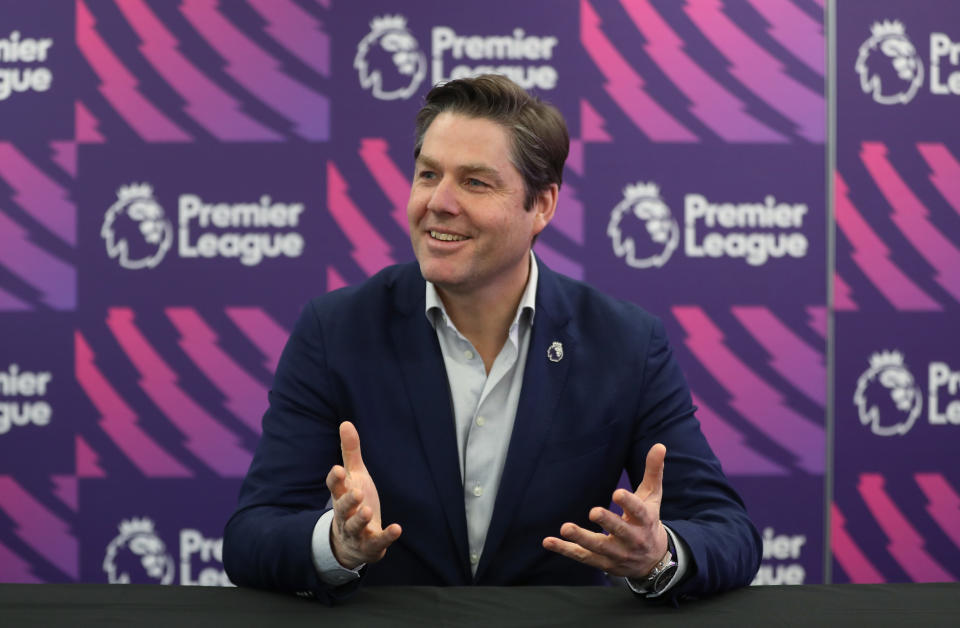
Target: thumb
(653, 473)
(350, 447)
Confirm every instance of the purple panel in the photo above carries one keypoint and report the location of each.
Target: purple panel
(38, 71)
(178, 541)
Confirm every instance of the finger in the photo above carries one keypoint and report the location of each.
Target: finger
(592, 541)
(576, 552)
(653, 473)
(336, 481)
(354, 525)
(640, 511)
(350, 447)
(347, 506)
(612, 523)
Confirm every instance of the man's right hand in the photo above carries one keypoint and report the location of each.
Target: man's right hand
(356, 536)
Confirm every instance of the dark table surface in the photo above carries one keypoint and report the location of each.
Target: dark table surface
(899, 605)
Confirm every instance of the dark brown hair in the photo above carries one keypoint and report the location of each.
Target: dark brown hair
(538, 131)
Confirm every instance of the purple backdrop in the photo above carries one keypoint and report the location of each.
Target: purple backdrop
(178, 178)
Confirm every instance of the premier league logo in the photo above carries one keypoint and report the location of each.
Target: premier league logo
(643, 231)
(389, 60)
(888, 65)
(887, 397)
(138, 555)
(135, 228)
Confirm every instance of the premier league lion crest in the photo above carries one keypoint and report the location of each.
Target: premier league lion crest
(887, 397)
(389, 60)
(138, 555)
(135, 228)
(890, 69)
(643, 231)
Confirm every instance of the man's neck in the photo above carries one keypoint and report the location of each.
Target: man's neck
(484, 316)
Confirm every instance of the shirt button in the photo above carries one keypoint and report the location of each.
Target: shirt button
(477, 490)
(468, 354)
(481, 421)
(474, 558)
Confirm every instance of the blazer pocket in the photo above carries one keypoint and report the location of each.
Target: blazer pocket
(581, 445)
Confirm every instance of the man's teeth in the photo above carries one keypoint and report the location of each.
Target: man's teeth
(446, 237)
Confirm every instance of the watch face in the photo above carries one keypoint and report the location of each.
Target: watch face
(664, 577)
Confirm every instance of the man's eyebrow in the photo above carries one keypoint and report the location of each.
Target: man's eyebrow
(463, 170)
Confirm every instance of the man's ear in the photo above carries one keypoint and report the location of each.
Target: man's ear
(544, 206)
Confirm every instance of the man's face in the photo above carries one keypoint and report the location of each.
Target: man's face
(468, 226)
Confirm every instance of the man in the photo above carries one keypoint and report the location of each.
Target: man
(497, 401)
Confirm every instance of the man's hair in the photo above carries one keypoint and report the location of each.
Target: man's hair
(537, 130)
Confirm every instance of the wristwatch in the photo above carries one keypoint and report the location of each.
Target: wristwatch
(661, 574)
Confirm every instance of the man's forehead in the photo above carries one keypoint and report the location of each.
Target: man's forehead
(473, 143)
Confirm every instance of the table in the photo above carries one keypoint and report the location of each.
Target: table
(145, 606)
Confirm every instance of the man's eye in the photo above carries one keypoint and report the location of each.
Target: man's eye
(476, 183)
(426, 174)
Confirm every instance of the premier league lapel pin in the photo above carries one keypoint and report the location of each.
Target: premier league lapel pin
(555, 351)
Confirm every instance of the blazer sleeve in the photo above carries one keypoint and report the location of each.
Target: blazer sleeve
(267, 541)
(698, 504)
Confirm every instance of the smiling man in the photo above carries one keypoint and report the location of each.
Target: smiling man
(498, 403)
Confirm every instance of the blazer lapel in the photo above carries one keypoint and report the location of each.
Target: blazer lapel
(543, 381)
(425, 378)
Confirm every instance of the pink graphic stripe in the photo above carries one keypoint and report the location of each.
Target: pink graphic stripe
(245, 397)
(120, 423)
(851, 558)
(872, 256)
(943, 503)
(297, 31)
(66, 488)
(375, 153)
(575, 156)
(842, 295)
(38, 195)
(946, 172)
(794, 30)
(592, 124)
(713, 105)
(728, 444)
(817, 319)
(754, 399)
(569, 217)
(625, 86)
(912, 217)
(15, 569)
(264, 332)
(759, 71)
(370, 250)
(54, 279)
(10, 303)
(906, 544)
(795, 361)
(87, 127)
(210, 106)
(335, 280)
(259, 73)
(42, 530)
(558, 261)
(119, 86)
(212, 443)
(88, 463)
(65, 156)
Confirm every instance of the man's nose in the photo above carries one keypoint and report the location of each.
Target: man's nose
(443, 198)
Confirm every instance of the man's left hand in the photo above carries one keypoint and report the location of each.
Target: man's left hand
(635, 541)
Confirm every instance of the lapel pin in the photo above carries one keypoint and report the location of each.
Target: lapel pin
(555, 351)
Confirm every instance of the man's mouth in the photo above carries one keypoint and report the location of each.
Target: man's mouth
(447, 237)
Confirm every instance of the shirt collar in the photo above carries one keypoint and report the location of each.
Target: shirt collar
(528, 302)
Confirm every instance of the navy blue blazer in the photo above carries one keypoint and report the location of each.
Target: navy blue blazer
(368, 354)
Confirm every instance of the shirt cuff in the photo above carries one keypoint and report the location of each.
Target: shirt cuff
(330, 571)
(682, 558)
